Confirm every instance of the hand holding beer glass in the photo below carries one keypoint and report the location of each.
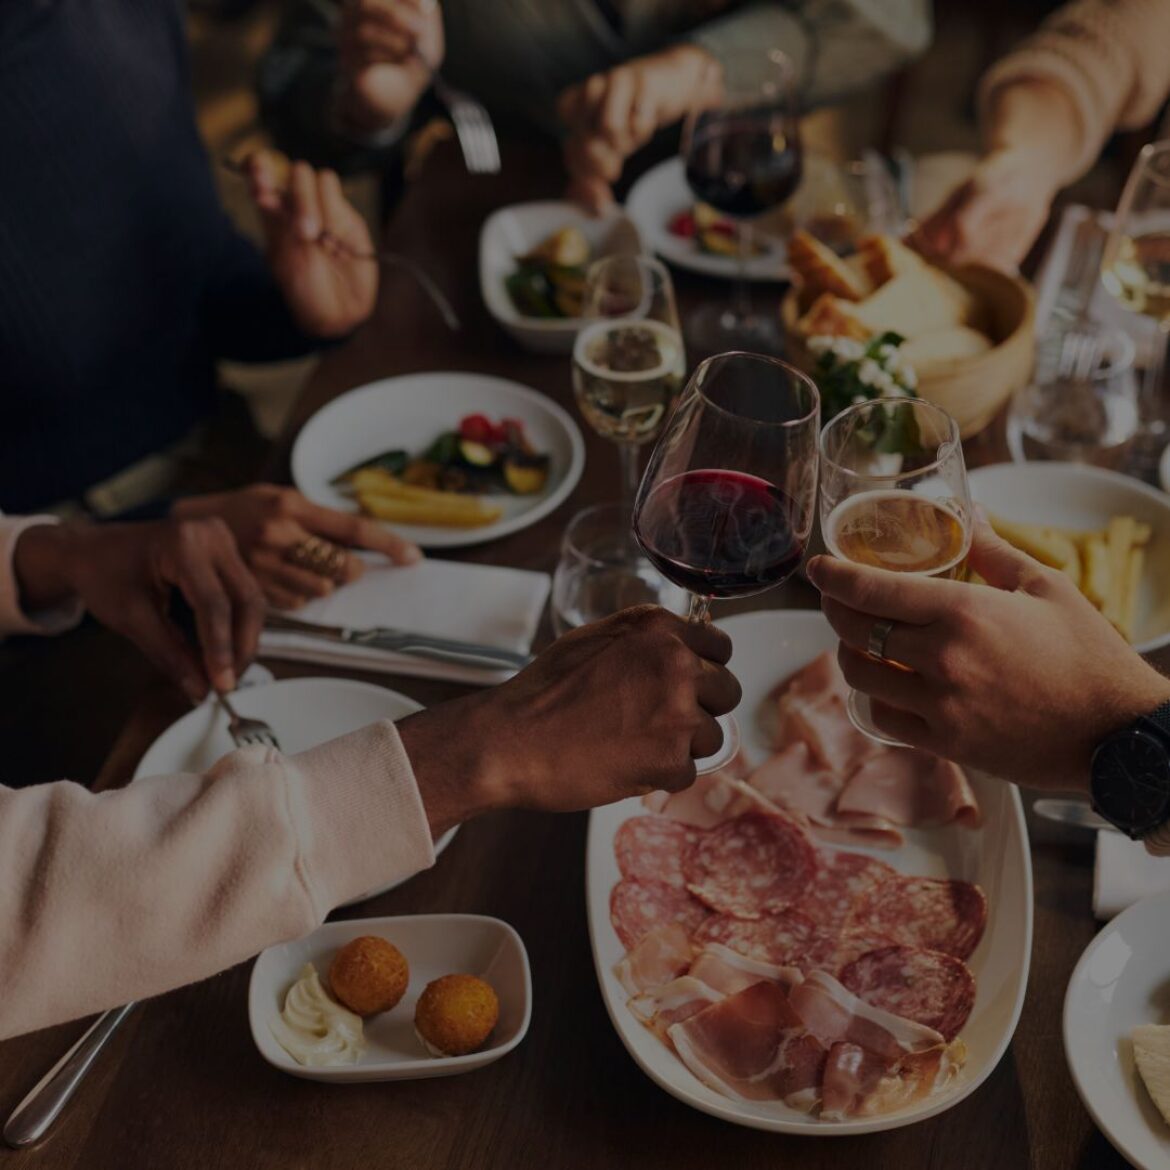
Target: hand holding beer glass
(894, 495)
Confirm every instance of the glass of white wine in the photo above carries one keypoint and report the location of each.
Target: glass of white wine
(894, 495)
(628, 359)
(1135, 270)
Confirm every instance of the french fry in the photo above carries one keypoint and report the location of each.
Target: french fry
(1047, 545)
(451, 512)
(1096, 578)
(1133, 578)
(1119, 540)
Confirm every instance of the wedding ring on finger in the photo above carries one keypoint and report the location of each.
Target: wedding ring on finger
(318, 556)
(878, 636)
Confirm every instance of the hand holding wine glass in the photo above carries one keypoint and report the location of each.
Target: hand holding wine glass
(726, 505)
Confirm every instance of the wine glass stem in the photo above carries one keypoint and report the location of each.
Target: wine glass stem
(741, 291)
(628, 452)
(699, 608)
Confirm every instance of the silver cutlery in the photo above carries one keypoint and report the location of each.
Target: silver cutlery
(1071, 812)
(247, 732)
(31, 1119)
(405, 642)
(473, 124)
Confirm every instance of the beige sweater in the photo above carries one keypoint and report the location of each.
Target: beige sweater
(1110, 56)
(125, 894)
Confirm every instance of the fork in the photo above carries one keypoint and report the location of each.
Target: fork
(247, 732)
(473, 124)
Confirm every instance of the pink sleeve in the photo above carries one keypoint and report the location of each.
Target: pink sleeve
(125, 894)
(1109, 56)
(13, 620)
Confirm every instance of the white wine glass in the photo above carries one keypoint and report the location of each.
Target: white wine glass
(1135, 269)
(894, 495)
(628, 359)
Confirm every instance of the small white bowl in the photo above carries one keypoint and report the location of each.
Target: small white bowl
(433, 945)
(515, 230)
(1072, 495)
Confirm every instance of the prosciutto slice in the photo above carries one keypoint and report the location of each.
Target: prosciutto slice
(660, 956)
(673, 1003)
(909, 787)
(708, 802)
(752, 1046)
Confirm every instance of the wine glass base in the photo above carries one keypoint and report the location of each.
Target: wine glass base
(708, 764)
(718, 328)
(861, 716)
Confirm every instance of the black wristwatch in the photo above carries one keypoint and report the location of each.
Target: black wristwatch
(1130, 775)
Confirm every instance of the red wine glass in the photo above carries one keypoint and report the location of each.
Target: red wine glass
(743, 157)
(726, 504)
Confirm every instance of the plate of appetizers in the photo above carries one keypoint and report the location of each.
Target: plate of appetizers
(392, 999)
(1115, 1036)
(532, 263)
(302, 712)
(449, 459)
(831, 936)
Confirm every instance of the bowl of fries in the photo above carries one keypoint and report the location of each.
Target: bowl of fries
(1108, 533)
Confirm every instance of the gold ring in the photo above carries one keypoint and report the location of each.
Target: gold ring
(876, 648)
(317, 556)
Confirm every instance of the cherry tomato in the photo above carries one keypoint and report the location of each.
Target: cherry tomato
(477, 428)
(682, 224)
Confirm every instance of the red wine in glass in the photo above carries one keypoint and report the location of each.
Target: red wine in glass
(740, 165)
(719, 533)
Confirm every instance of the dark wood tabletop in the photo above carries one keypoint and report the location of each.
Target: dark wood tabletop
(183, 1087)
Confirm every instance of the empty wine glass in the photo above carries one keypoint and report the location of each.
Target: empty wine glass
(628, 360)
(726, 505)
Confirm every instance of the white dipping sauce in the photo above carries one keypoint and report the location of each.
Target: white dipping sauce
(314, 1029)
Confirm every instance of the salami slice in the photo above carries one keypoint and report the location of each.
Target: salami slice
(925, 986)
(842, 882)
(652, 848)
(636, 908)
(854, 942)
(752, 865)
(934, 914)
(787, 939)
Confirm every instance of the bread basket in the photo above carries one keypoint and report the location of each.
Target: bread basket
(971, 390)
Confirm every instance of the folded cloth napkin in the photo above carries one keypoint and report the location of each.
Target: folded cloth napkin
(474, 603)
(1125, 873)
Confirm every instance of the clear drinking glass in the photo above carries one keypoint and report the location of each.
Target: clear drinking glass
(602, 570)
(894, 495)
(1082, 408)
(743, 157)
(1135, 269)
(628, 361)
(726, 505)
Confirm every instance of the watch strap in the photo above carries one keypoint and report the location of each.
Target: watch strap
(1157, 840)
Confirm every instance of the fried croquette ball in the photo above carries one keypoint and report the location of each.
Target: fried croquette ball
(456, 1014)
(369, 975)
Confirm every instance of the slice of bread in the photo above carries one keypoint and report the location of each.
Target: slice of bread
(884, 258)
(821, 270)
(936, 351)
(830, 316)
(916, 303)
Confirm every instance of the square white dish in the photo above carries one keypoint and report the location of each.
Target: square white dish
(768, 646)
(433, 945)
(515, 230)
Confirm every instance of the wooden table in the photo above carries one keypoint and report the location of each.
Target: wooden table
(182, 1085)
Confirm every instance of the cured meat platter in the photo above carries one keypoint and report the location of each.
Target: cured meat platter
(873, 969)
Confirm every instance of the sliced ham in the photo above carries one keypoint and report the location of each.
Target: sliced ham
(752, 1046)
(707, 803)
(724, 970)
(673, 1003)
(659, 957)
(909, 787)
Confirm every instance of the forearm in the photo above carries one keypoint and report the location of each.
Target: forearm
(1036, 119)
(35, 593)
(112, 897)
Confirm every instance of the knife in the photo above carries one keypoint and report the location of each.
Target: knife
(404, 642)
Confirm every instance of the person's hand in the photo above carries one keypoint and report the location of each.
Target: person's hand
(318, 245)
(296, 549)
(124, 574)
(1021, 677)
(994, 216)
(387, 50)
(610, 115)
(611, 710)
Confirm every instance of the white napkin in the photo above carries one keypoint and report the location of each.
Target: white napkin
(474, 603)
(1125, 873)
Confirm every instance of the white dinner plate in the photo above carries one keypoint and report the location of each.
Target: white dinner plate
(410, 412)
(1122, 980)
(302, 712)
(519, 228)
(1072, 495)
(768, 646)
(663, 192)
(433, 945)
